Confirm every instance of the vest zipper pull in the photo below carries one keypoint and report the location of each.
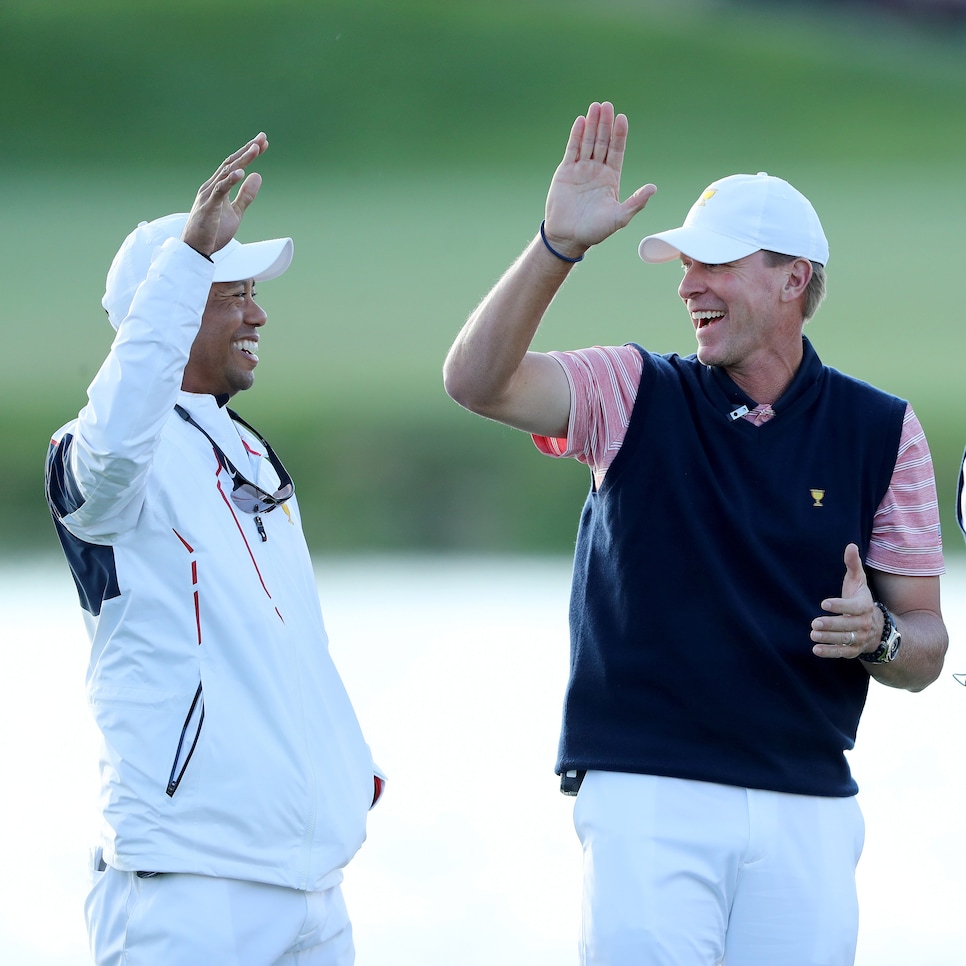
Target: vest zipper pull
(261, 529)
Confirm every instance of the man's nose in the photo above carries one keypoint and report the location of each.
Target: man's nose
(692, 283)
(255, 314)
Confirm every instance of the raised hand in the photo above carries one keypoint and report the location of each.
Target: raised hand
(214, 217)
(583, 204)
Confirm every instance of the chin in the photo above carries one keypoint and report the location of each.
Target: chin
(240, 385)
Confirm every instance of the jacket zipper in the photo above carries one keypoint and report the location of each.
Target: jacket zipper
(174, 779)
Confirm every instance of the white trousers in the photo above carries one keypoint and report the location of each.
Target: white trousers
(192, 920)
(687, 873)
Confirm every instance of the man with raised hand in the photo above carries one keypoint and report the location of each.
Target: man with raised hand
(235, 777)
(760, 538)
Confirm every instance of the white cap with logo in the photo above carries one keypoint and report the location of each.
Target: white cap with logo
(740, 215)
(233, 263)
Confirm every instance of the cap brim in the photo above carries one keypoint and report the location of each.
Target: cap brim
(233, 263)
(258, 261)
(697, 243)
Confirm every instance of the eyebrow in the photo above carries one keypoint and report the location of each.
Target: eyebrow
(242, 281)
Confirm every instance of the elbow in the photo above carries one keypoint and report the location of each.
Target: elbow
(452, 381)
(462, 387)
(921, 684)
(934, 667)
(942, 646)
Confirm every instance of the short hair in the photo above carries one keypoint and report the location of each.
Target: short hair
(814, 292)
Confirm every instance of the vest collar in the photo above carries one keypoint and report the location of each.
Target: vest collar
(805, 383)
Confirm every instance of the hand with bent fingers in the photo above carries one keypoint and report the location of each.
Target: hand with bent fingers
(214, 217)
(852, 629)
(583, 203)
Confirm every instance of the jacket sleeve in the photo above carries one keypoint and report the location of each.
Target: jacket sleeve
(108, 459)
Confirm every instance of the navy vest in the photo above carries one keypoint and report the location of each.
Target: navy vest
(700, 564)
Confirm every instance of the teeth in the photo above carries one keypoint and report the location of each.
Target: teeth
(248, 345)
(702, 316)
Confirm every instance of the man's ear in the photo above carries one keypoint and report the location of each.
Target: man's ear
(797, 276)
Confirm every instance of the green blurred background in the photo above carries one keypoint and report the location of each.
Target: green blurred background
(412, 145)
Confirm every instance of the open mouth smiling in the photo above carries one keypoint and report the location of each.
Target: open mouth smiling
(706, 317)
(249, 347)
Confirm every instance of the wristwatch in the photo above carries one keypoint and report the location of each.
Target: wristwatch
(889, 642)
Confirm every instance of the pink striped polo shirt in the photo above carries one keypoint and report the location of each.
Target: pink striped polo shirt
(603, 386)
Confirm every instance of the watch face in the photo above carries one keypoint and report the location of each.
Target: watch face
(891, 638)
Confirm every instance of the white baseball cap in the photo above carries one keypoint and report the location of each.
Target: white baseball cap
(740, 215)
(233, 263)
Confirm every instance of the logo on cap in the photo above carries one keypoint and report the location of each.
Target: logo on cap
(709, 193)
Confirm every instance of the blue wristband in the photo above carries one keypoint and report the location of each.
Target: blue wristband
(553, 251)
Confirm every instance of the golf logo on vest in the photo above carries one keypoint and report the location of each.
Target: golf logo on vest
(817, 496)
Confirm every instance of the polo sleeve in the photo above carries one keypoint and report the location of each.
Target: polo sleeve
(603, 387)
(906, 532)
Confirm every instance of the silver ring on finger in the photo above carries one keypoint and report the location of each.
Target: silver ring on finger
(851, 638)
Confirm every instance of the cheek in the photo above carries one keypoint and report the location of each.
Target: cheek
(207, 347)
(216, 331)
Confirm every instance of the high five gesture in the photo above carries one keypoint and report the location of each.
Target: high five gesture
(489, 368)
(583, 204)
(215, 215)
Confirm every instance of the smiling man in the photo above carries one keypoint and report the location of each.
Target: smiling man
(235, 778)
(225, 351)
(761, 538)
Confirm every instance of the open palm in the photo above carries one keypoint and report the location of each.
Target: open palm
(215, 216)
(583, 204)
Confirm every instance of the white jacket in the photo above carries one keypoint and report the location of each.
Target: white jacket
(230, 747)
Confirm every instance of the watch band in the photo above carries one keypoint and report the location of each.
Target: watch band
(889, 642)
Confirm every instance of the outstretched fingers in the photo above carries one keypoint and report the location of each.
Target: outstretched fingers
(591, 128)
(606, 128)
(637, 201)
(248, 152)
(583, 205)
(244, 156)
(232, 169)
(598, 137)
(595, 135)
(246, 193)
(214, 217)
(572, 151)
(616, 142)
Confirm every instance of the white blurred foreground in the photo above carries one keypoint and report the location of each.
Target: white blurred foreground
(456, 668)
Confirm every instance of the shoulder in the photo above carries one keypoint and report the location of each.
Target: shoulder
(621, 359)
(63, 432)
(602, 372)
(863, 390)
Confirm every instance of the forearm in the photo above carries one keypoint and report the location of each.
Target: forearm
(920, 658)
(852, 626)
(488, 369)
(132, 395)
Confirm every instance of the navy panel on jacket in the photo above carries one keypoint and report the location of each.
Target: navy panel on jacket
(91, 565)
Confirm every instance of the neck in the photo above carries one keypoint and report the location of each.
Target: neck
(767, 375)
